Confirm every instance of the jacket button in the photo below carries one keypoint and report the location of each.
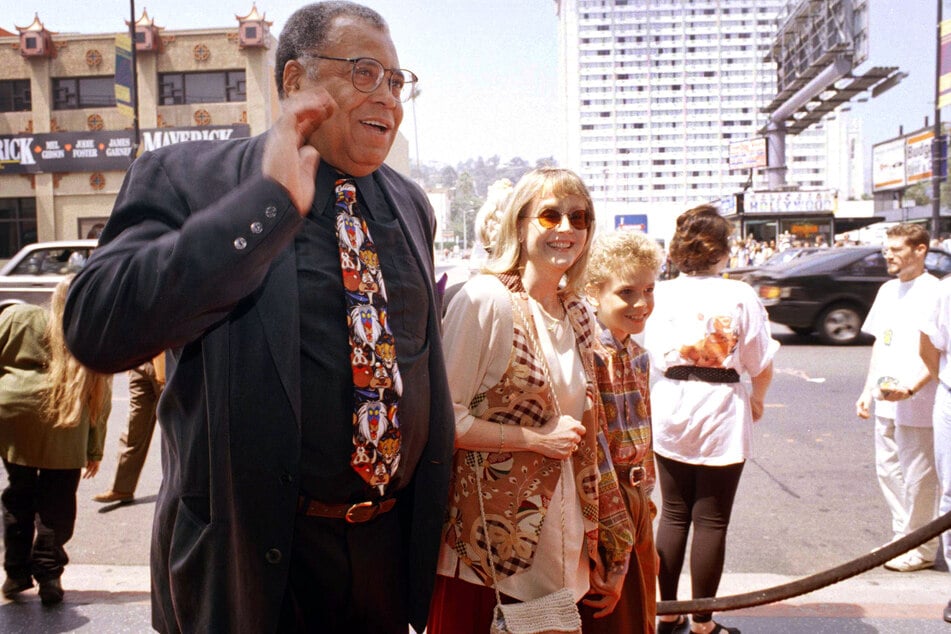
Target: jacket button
(273, 556)
(240, 243)
(270, 211)
(287, 478)
(256, 227)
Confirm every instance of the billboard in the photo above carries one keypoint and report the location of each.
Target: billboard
(631, 222)
(748, 154)
(907, 160)
(888, 165)
(918, 163)
(810, 31)
(99, 151)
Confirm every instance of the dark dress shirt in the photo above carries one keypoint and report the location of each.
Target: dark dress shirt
(326, 376)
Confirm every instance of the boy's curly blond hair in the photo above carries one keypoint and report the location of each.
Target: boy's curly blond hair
(619, 253)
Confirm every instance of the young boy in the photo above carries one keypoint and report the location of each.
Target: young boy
(621, 274)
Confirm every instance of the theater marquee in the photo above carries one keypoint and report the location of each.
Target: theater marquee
(100, 151)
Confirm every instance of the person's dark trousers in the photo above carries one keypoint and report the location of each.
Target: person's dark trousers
(144, 393)
(38, 503)
(346, 578)
(702, 496)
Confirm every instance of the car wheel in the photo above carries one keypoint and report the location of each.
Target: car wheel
(801, 331)
(840, 324)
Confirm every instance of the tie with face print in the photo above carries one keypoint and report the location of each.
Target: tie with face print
(376, 375)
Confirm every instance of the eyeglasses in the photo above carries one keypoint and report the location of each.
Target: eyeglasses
(551, 218)
(367, 74)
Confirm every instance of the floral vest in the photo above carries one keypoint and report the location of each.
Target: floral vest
(517, 486)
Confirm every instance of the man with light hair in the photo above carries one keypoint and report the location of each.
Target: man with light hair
(904, 394)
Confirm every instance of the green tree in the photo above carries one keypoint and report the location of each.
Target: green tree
(462, 210)
(919, 194)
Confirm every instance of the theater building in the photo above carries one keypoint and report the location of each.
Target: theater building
(65, 141)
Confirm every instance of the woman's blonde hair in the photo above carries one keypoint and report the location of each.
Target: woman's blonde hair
(74, 389)
(620, 253)
(544, 181)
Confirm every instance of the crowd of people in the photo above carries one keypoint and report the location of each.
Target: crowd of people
(341, 451)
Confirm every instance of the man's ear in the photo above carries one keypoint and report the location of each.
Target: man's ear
(294, 71)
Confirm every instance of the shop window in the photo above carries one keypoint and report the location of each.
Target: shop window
(15, 95)
(17, 224)
(211, 87)
(83, 92)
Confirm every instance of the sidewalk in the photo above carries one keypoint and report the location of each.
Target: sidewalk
(108, 599)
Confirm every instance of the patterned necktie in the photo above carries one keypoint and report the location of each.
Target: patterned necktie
(376, 375)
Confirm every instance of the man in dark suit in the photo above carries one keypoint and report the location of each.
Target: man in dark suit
(228, 254)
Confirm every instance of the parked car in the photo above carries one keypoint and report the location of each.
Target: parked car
(34, 271)
(743, 273)
(830, 292)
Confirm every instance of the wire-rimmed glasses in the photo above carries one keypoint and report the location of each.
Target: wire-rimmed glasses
(367, 74)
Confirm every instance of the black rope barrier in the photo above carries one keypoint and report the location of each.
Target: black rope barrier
(813, 582)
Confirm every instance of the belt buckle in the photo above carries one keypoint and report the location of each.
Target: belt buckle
(636, 475)
(355, 514)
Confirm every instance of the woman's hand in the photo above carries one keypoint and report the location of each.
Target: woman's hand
(606, 584)
(92, 468)
(558, 438)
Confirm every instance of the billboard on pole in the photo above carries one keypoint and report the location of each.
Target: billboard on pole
(125, 91)
(944, 73)
(748, 154)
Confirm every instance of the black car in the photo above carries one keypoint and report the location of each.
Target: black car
(830, 292)
(780, 257)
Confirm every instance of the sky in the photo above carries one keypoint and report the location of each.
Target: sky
(489, 68)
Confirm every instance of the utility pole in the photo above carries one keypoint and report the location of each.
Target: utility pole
(135, 83)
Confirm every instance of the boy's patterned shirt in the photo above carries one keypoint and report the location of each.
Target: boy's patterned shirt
(623, 376)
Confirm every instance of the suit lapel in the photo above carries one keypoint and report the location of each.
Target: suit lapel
(278, 306)
(406, 211)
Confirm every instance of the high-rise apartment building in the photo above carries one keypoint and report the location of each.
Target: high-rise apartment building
(654, 91)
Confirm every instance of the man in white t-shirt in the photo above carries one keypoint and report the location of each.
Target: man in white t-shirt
(935, 349)
(904, 393)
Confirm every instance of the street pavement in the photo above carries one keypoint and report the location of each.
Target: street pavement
(807, 502)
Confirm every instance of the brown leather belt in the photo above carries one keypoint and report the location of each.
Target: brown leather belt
(352, 513)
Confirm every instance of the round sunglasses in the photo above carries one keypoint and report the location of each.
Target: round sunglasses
(551, 218)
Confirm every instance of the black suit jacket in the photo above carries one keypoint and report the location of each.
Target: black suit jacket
(198, 259)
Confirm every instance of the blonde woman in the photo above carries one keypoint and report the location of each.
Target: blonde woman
(518, 345)
(53, 414)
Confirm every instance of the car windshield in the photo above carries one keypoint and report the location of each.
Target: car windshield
(52, 262)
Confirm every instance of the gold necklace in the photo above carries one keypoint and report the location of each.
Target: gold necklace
(551, 323)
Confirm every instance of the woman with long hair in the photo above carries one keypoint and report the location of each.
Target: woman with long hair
(53, 414)
(528, 473)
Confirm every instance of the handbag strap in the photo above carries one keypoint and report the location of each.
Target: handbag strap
(530, 331)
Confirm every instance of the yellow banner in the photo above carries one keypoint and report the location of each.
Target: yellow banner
(944, 72)
(125, 93)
